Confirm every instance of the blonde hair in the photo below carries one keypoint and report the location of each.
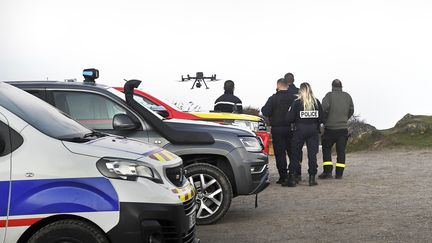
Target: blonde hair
(306, 95)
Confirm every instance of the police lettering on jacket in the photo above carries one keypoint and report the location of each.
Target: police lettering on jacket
(296, 114)
(309, 114)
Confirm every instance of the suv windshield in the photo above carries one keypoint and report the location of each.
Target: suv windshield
(40, 115)
(122, 96)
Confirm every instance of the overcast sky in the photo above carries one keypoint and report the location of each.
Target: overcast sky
(381, 50)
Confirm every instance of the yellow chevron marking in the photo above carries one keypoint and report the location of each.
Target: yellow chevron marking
(168, 155)
(159, 157)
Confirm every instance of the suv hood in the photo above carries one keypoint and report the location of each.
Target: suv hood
(118, 147)
(209, 127)
(226, 116)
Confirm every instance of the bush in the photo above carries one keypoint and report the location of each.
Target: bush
(249, 110)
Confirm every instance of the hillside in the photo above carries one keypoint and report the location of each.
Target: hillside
(411, 131)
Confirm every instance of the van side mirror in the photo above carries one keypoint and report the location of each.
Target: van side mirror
(123, 122)
(160, 110)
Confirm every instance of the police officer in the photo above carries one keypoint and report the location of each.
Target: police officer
(306, 114)
(228, 102)
(338, 108)
(290, 78)
(276, 109)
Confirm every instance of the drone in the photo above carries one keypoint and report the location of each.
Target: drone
(199, 80)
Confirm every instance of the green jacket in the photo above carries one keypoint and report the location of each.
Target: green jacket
(338, 108)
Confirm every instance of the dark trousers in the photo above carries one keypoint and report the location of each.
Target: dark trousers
(309, 135)
(282, 147)
(329, 139)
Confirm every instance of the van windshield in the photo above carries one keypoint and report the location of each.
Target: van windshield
(41, 115)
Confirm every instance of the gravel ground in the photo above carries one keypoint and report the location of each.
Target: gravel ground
(385, 196)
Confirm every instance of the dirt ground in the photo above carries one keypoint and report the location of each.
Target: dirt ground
(385, 196)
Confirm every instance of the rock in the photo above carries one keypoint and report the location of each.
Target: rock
(408, 117)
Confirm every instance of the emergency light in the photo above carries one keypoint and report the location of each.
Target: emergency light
(90, 75)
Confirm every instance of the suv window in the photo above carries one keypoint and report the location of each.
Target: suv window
(144, 101)
(92, 110)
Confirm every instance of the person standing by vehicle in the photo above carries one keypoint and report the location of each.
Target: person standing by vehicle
(338, 108)
(276, 109)
(290, 78)
(306, 113)
(228, 102)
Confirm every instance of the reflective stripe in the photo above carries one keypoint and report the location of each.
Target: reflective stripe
(168, 155)
(164, 156)
(159, 157)
(224, 103)
(327, 163)
(340, 165)
(186, 193)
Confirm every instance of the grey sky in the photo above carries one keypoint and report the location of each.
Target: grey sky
(381, 50)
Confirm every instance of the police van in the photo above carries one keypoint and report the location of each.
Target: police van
(61, 182)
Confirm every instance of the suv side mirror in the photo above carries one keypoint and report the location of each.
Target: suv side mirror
(160, 110)
(123, 122)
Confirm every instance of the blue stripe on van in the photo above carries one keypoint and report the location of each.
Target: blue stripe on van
(66, 195)
(4, 194)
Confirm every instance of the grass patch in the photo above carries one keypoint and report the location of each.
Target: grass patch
(411, 131)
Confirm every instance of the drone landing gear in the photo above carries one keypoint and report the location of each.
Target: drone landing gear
(197, 83)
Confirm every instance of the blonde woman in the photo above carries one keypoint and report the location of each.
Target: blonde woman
(306, 113)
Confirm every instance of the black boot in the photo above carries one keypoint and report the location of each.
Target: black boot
(298, 178)
(325, 175)
(339, 172)
(281, 179)
(327, 170)
(290, 182)
(312, 181)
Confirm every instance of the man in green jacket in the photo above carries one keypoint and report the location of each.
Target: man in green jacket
(338, 108)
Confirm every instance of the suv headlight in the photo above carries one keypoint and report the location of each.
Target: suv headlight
(125, 169)
(252, 125)
(251, 144)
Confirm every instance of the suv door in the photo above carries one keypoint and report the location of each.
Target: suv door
(5, 163)
(96, 111)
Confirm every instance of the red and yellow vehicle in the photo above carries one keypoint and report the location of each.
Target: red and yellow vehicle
(254, 123)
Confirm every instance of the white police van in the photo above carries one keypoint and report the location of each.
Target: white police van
(61, 182)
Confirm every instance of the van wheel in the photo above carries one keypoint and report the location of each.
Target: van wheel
(70, 231)
(214, 192)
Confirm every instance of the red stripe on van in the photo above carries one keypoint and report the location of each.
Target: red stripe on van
(19, 222)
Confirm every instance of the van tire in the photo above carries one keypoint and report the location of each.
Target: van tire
(210, 172)
(69, 230)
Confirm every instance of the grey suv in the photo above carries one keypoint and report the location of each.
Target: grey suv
(221, 161)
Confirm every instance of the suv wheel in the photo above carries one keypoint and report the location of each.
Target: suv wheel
(214, 192)
(69, 230)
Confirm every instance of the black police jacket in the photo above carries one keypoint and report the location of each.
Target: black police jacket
(296, 114)
(228, 102)
(276, 107)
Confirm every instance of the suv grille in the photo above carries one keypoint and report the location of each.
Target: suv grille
(175, 175)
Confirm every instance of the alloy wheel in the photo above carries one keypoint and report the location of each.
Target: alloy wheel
(209, 194)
